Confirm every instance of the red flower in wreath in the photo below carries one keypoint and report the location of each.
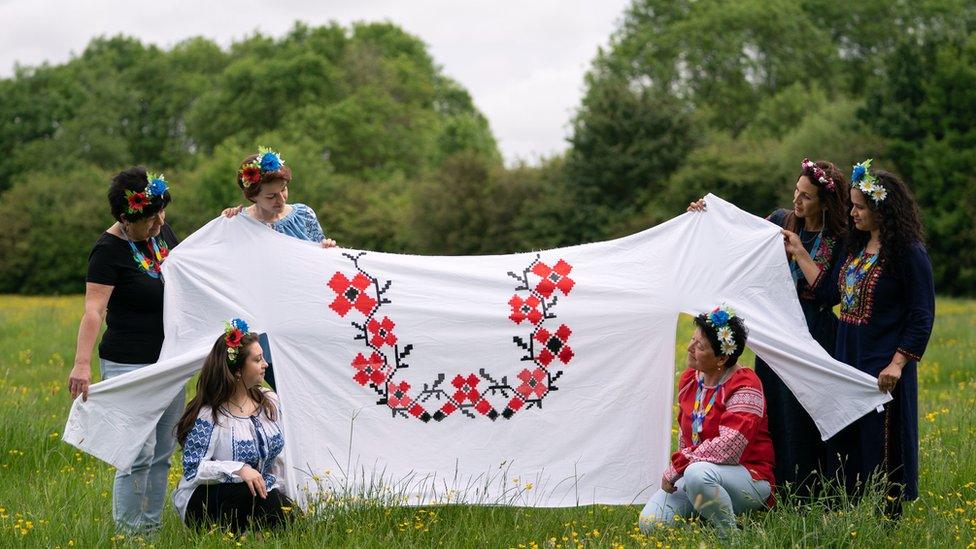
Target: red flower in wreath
(467, 388)
(351, 293)
(534, 384)
(369, 370)
(553, 277)
(234, 338)
(525, 309)
(554, 345)
(398, 395)
(382, 332)
(137, 201)
(251, 174)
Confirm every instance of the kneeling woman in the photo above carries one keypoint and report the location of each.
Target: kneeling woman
(724, 464)
(232, 440)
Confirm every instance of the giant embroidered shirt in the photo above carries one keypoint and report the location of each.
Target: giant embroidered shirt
(214, 452)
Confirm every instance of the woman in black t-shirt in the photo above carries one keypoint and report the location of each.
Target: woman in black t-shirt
(124, 288)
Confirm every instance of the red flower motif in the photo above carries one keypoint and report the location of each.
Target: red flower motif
(553, 277)
(382, 332)
(554, 344)
(515, 404)
(234, 338)
(371, 370)
(138, 201)
(466, 388)
(163, 253)
(398, 395)
(534, 384)
(525, 309)
(351, 293)
(251, 174)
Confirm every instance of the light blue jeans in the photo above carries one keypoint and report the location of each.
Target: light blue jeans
(138, 496)
(715, 492)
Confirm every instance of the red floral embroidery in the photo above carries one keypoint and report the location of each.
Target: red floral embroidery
(466, 388)
(553, 277)
(472, 393)
(398, 395)
(369, 370)
(525, 309)
(351, 293)
(533, 384)
(382, 332)
(554, 345)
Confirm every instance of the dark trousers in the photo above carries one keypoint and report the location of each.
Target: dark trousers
(231, 505)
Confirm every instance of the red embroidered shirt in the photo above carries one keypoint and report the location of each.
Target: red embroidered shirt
(735, 431)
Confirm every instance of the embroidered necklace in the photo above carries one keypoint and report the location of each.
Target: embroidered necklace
(151, 265)
(698, 413)
(856, 270)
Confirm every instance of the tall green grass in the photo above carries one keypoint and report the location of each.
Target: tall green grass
(53, 496)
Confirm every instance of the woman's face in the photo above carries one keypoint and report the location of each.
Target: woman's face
(145, 228)
(864, 218)
(806, 200)
(252, 371)
(701, 356)
(273, 196)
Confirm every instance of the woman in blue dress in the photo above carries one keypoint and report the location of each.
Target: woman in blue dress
(818, 219)
(263, 179)
(887, 308)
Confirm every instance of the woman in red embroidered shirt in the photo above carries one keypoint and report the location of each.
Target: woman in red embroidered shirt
(724, 462)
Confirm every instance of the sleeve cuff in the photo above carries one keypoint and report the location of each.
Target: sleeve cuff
(671, 474)
(909, 354)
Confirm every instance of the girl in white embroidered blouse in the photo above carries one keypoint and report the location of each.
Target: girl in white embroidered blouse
(232, 439)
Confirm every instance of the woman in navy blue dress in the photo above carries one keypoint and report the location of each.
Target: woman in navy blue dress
(818, 221)
(887, 308)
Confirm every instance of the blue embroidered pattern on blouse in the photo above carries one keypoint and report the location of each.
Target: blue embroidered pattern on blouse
(246, 451)
(311, 224)
(195, 447)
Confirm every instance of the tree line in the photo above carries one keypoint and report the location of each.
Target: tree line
(687, 97)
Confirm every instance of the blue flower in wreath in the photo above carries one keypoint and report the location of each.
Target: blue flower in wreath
(270, 162)
(858, 174)
(719, 318)
(157, 187)
(240, 325)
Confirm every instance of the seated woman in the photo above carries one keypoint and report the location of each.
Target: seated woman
(724, 464)
(231, 435)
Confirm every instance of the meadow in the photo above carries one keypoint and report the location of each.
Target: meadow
(54, 496)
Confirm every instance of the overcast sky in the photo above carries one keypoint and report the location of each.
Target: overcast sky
(523, 62)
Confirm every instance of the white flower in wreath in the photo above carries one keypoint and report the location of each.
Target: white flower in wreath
(879, 193)
(728, 348)
(725, 334)
(867, 186)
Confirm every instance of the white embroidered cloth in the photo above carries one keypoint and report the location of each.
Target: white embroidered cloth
(541, 378)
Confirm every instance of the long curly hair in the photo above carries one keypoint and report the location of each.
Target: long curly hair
(899, 219)
(837, 201)
(216, 385)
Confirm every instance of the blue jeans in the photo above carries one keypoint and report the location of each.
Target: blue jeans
(716, 492)
(138, 496)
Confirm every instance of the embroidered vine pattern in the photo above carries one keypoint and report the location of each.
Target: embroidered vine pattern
(545, 349)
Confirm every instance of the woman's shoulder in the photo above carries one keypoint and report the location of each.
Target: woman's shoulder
(743, 377)
(778, 216)
(303, 210)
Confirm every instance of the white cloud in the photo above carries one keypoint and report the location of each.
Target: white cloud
(523, 62)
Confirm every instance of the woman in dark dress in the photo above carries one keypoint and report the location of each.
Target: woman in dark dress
(887, 306)
(124, 288)
(818, 220)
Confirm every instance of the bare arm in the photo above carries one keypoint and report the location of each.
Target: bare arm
(96, 304)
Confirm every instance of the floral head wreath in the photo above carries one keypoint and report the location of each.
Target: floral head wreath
(861, 178)
(818, 173)
(719, 319)
(156, 187)
(267, 161)
(234, 332)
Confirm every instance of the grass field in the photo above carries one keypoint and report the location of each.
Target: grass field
(53, 496)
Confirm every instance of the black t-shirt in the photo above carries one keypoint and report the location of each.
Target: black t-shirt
(135, 309)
